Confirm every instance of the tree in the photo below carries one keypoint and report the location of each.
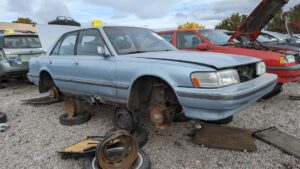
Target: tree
(231, 23)
(24, 20)
(191, 25)
(277, 23)
(295, 18)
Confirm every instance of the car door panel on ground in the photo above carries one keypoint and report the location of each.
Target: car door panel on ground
(95, 65)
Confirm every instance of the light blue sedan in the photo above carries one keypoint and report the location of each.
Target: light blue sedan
(138, 69)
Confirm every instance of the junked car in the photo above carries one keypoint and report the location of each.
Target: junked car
(138, 69)
(209, 40)
(16, 48)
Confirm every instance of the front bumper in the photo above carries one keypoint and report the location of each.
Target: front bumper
(7, 69)
(220, 103)
(286, 74)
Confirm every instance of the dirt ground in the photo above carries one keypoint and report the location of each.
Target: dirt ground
(35, 135)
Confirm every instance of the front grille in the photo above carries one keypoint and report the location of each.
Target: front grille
(246, 72)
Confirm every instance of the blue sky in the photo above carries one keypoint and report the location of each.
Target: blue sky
(151, 14)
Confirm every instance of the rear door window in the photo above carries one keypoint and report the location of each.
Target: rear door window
(67, 46)
(187, 40)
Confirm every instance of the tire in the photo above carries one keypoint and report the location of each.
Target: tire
(223, 121)
(3, 117)
(77, 120)
(140, 135)
(278, 89)
(142, 161)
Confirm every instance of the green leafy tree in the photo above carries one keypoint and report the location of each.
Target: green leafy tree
(231, 23)
(24, 20)
(295, 18)
(277, 23)
(191, 25)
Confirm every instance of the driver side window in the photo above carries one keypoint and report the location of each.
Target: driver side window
(187, 40)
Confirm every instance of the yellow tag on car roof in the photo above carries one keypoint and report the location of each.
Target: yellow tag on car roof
(9, 31)
(96, 23)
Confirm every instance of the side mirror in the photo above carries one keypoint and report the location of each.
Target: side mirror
(102, 51)
(202, 46)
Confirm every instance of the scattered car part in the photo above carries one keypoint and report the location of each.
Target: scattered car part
(84, 148)
(123, 159)
(66, 120)
(140, 135)
(3, 117)
(40, 101)
(142, 161)
(3, 127)
(223, 137)
(280, 139)
(126, 120)
(294, 97)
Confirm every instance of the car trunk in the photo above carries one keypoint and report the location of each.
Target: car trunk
(21, 57)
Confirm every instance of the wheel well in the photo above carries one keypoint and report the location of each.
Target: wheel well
(46, 82)
(150, 90)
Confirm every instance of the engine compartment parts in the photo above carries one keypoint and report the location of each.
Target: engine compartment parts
(223, 137)
(3, 117)
(280, 139)
(124, 158)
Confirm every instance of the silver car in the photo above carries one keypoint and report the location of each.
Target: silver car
(15, 51)
(138, 69)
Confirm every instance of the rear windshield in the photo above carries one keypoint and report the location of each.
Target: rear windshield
(22, 41)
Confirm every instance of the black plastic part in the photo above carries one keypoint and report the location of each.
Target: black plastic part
(64, 119)
(223, 121)
(62, 20)
(3, 117)
(89, 153)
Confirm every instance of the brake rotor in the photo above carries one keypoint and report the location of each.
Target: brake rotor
(70, 106)
(158, 116)
(123, 160)
(54, 94)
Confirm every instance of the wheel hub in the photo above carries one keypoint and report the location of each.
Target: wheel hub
(54, 94)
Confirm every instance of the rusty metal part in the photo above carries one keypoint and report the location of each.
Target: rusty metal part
(122, 160)
(54, 94)
(70, 106)
(223, 137)
(161, 115)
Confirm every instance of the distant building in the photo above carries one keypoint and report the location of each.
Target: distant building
(17, 26)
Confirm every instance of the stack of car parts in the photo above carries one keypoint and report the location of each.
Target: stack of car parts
(117, 150)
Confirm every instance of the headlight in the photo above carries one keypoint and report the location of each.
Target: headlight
(287, 59)
(260, 68)
(215, 79)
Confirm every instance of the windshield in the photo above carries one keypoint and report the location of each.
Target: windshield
(263, 39)
(128, 40)
(215, 36)
(17, 41)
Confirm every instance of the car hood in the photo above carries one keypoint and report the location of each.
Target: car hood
(215, 60)
(258, 19)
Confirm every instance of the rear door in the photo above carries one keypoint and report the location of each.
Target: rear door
(61, 62)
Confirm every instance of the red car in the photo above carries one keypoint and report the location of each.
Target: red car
(208, 40)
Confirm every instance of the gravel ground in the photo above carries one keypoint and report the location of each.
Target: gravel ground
(35, 135)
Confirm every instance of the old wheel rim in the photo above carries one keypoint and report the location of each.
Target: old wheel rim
(124, 141)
